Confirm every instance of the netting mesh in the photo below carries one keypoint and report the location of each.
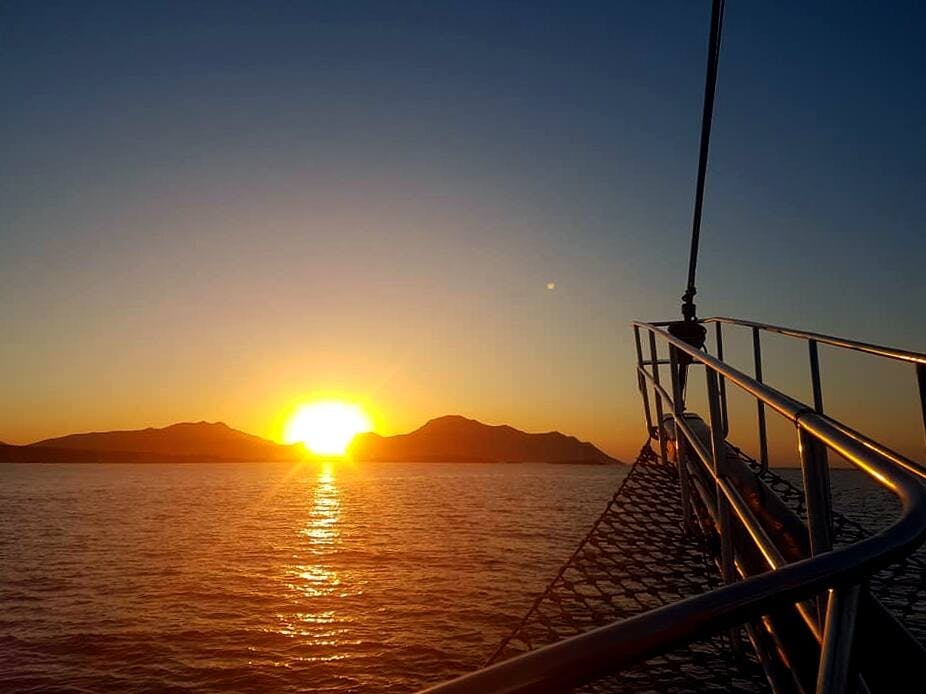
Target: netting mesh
(636, 557)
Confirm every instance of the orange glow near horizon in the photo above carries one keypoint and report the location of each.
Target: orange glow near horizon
(327, 427)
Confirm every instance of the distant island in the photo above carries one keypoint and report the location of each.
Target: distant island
(451, 438)
(185, 442)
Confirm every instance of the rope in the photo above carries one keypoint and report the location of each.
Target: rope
(713, 58)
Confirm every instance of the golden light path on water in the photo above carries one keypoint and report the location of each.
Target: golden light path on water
(248, 577)
(242, 577)
(314, 581)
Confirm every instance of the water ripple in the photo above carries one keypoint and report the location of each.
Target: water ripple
(332, 578)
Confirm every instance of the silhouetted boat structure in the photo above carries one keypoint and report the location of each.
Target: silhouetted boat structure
(708, 571)
(716, 573)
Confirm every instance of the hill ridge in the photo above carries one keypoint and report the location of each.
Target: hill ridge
(457, 438)
(448, 438)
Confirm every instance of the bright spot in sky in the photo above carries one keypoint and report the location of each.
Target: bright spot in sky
(551, 285)
(327, 427)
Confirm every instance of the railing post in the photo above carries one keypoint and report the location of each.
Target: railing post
(816, 477)
(660, 424)
(760, 406)
(815, 376)
(724, 516)
(835, 668)
(921, 382)
(718, 455)
(816, 492)
(822, 482)
(718, 328)
(681, 459)
(641, 382)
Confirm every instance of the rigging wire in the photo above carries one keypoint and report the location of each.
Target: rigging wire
(713, 57)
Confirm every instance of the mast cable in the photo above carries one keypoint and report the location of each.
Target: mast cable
(713, 57)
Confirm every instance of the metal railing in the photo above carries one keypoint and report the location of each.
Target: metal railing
(831, 623)
(837, 572)
(813, 340)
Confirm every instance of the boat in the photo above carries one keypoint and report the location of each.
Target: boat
(710, 570)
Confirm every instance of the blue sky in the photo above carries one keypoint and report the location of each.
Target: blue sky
(213, 209)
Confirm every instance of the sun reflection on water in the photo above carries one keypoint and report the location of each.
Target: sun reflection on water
(317, 585)
(322, 528)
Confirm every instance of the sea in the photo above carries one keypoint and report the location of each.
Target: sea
(284, 577)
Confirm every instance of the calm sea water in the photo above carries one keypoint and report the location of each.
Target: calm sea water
(244, 577)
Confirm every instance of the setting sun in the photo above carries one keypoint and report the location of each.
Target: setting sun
(326, 428)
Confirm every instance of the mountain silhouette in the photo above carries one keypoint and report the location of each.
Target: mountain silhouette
(454, 438)
(446, 439)
(188, 441)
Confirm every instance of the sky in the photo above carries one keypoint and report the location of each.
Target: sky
(218, 210)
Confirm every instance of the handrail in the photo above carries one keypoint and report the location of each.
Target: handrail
(910, 466)
(854, 345)
(917, 359)
(582, 658)
(786, 405)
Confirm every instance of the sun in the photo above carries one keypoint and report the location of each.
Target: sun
(326, 427)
